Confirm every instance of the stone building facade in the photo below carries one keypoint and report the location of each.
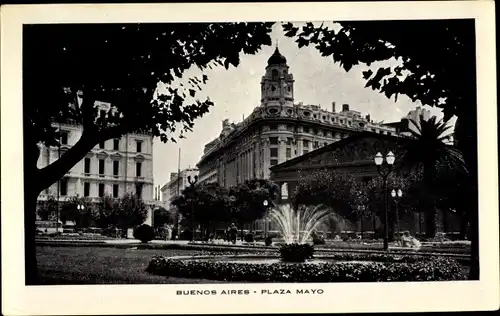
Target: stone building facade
(355, 156)
(113, 167)
(278, 130)
(176, 184)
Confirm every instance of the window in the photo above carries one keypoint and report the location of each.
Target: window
(116, 167)
(138, 167)
(306, 151)
(101, 145)
(306, 129)
(316, 144)
(289, 141)
(273, 127)
(138, 190)
(86, 189)
(116, 144)
(64, 138)
(305, 143)
(274, 152)
(273, 140)
(102, 113)
(63, 187)
(275, 74)
(138, 145)
(115, 190)
(86, 167)
(325, 144)
(288, 152)
(101, 167)
(274, 162)
(101, 189)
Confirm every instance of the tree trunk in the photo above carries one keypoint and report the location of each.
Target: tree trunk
(466, 137)
(31, 268)
(464, 221)
(445, 220)
(431, 218)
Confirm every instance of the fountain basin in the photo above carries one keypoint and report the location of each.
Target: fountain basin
(269, 268)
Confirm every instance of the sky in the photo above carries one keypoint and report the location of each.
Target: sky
(236, 92)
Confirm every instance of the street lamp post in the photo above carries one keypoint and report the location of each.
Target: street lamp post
(397, 197)
(80, 207)
(192, 182)
(265, 203)
(384, 173)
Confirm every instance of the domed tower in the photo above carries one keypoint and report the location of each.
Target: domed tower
(277, 83)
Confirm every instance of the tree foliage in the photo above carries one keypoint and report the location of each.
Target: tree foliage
(162, 217)
(204, 204)
(426, 150)
(436, 57)
(248, 199)
(131, 211)
(47, 209)
(82, 217)
(131, 66)
(107, 213)
(332, 188)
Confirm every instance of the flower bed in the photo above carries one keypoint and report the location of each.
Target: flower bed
(296, 252)
(386, 268)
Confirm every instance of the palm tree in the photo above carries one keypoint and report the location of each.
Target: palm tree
(427, 150)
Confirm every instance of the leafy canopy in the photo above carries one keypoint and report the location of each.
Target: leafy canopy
(204, 203)
(248, 199)
(436, 57)
(331, 188)
(124, 64)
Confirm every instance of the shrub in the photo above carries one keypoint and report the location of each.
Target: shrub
(186, 234)
(268, 241)
(438, 269)
(144, 233)
(296, 252)
(249, 237)
(318, 240)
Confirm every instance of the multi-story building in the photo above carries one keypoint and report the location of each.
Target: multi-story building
(178, 181)
(278, 130)
(113, 167)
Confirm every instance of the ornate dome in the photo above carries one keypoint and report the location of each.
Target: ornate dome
(276, 58)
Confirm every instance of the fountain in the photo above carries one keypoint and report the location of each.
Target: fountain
(295, 262)
(296, 226)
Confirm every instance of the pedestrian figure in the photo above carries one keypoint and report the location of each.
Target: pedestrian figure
(234, 232)
(174, 233)
(228, 234)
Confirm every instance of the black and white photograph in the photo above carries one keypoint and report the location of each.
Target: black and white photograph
(224, 157)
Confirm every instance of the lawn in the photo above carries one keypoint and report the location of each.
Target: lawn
(108, 265)
(96, 265)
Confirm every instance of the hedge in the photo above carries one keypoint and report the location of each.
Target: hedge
(437, 269)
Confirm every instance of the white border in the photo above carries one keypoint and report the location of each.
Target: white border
(159, 299)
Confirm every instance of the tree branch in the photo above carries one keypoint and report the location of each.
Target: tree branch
(61, 166)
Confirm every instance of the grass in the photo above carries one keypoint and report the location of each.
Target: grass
(65, 265)
(96, 265)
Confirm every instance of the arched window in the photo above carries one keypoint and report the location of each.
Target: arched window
(275, 74)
